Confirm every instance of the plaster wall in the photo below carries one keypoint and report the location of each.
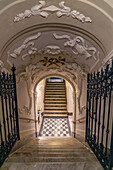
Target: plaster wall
(40, 90)
(69, 95)
(81, 106)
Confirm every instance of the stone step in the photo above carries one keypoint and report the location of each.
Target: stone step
(55, 111)
(51, 154)
(55, 105)
(55, 102)
(56, 115)
(50, 159)
(47, 153)
(55, 94)
(55, 88)
(54, 108)
(52, 90)
(55, 83)
(55, 99)
(53, 166)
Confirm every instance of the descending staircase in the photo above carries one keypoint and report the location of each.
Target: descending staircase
(55, 98)
(52, 154)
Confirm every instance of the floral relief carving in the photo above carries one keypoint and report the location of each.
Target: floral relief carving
(78, 46)
(43, 11)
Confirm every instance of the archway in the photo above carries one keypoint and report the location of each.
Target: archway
(39, 90)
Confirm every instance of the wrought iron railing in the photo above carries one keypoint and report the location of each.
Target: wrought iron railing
(9, 125)
(99, 115)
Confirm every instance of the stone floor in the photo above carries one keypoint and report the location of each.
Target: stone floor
(52, 153)
(54, 126)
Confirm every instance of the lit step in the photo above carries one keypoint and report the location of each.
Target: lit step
(55, 90)
(56, 94)
(55, 108)
(55, 104)
(55, 111)
(55, 99)
(55, 115)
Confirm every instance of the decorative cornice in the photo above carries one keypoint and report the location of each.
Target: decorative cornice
(44, 12)
(108, 58)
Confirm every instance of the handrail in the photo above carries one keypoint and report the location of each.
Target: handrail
(45, 91)
(29, 119)
(65, 92)
(78, 120)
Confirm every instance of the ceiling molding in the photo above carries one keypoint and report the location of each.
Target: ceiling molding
(108, 58)
(44, 11)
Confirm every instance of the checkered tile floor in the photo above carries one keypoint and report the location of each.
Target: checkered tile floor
(55, 127)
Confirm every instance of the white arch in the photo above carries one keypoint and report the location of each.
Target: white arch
(74, 95)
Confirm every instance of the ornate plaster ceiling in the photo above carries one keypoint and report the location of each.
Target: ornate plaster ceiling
(51, 32)
(47, 47)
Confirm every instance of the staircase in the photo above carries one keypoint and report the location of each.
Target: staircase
(64, 153)
(55, 98)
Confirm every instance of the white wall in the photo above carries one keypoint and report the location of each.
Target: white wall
(28, 103)
(69, 95)
(40, 90)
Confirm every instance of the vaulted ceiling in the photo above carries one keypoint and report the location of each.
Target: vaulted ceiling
(56, 33)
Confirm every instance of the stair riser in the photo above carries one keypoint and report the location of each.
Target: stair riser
(55, 112)
(55, 94)
(56, 100)
(49, 159)
(54, 109)
(55, 105)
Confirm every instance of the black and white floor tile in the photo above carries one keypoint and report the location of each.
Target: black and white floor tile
(55, 127)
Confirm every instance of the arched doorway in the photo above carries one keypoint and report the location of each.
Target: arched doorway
(58, 108)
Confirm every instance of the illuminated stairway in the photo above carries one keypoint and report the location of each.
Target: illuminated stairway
(55, 98)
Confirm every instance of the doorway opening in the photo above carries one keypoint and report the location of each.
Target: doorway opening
(54, 107)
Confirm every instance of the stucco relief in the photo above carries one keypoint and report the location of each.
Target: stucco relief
(43, 11)
(47, 61)
(52, 50)
(27, 77)
(1, 65)
(81, 78)
(28, 44)
(79, 46)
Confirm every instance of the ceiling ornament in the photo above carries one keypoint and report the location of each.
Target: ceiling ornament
(79, 46)
(50, 61)
(44, 12)
(52, 50)
(27, 44)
